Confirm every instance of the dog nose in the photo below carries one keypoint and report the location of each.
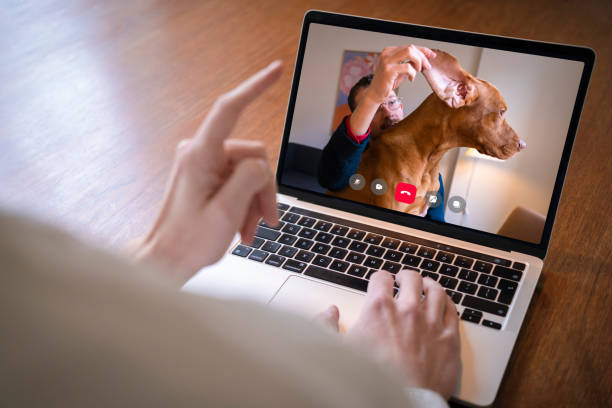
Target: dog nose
(522, 144)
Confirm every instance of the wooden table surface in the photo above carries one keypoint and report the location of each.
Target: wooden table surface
(95, 95)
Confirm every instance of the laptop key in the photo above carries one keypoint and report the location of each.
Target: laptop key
(304, 256)
(357, 270)
(507, 289)
(392, 267)
(487, 293)
(487, 280)
(358, 246)
(411, 260)
(267, 233)
(445, 257)
(373, 239)
(426, 252)
(290, 217)
(468, 275)
(356, 234)
(270, 246)
(341, 242)
(291, 229)
(339, 266)
(375, 251)
(287, 251)
(448, 282)
(455, 296)
(307, 233)
(431, 275)
(339, 230)
(324, 237)
(287, 239)
(294, 265)
(338, 253)
(430, 265)
(307, 222)
(241, 250)
(390, 243)
(337, 278)
(320, 248)
(322, 261)
(323, 226)
(303, 243)
(282, 206)
(520, 266)
(485, 305)
(408, 248)
(279, 226)
(372, 262)
(449, 270)
(464, 262)
(507, 273)
(394, 256)
(467, 287)
(482, 267)
(493, 325)
(258, 255)
(257, 242)
(355, 257)
(275, 260)
(473, 316)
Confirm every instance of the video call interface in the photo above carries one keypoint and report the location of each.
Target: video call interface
(475, 140)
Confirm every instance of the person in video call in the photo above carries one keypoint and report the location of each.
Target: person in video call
(374, 107)
(84, 328)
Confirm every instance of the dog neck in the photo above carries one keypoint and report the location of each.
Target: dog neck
(426, 133)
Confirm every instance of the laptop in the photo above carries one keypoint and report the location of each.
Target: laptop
(486, 228)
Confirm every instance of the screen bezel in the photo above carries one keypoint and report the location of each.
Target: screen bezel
(575, 53)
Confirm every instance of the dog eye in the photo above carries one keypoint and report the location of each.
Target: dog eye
(501, 112)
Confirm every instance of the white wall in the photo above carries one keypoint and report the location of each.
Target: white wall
(540, 93)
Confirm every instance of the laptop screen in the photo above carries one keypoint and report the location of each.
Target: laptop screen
(475, 141)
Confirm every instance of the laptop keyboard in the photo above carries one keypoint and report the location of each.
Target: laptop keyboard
(348, 253)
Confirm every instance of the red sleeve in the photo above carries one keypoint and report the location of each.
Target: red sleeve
(354, 137)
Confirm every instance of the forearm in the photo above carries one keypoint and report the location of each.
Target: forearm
(364, 113)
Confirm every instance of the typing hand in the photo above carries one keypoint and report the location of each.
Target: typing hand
(217, 187)
(418, 336)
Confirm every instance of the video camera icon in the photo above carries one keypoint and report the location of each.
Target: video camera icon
(378, 186)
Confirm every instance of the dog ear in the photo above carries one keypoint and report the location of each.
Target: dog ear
(454, 85)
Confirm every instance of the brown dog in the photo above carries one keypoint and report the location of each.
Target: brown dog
(463, 111)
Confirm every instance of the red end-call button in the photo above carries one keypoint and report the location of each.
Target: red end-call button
(405, 193)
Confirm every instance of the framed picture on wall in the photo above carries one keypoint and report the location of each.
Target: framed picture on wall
(355, 65)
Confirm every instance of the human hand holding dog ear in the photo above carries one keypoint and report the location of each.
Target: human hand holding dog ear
(394, 66)
(217, 187)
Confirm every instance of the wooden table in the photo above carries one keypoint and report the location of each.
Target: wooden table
(95, 95)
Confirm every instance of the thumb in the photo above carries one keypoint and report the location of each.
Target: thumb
(329, 318)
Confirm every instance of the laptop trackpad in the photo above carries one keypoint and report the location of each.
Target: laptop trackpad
(309, 298)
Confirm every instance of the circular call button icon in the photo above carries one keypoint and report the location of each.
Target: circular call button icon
(456, 204)
(433, 199)
(357, 181)
(378, 186)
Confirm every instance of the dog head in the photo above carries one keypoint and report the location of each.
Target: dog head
(476, 108)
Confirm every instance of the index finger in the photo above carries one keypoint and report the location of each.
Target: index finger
(224, 114)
